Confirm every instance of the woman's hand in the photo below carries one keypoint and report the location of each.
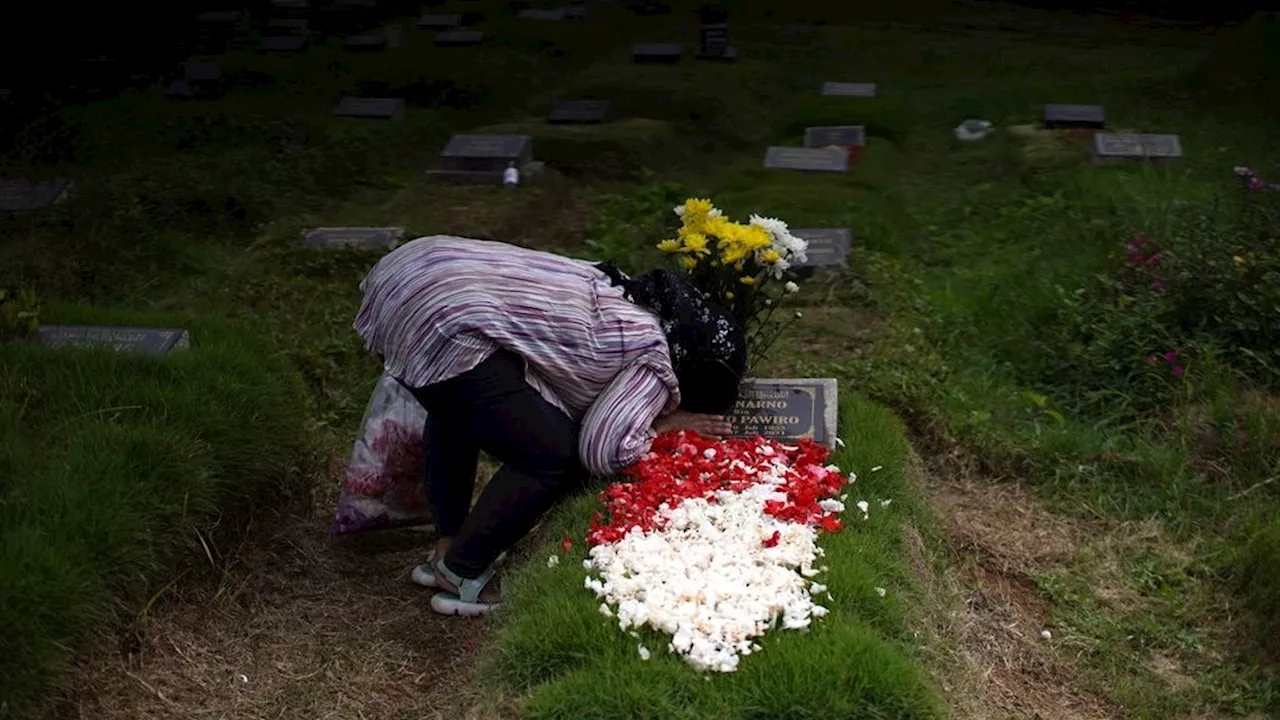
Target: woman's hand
(715, 426)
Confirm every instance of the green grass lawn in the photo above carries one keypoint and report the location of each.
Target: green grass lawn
(972, 309)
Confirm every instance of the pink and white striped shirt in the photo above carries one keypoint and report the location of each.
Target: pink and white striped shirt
(438, 306)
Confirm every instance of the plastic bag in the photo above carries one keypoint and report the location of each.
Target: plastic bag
(383, 488)
(971, 130)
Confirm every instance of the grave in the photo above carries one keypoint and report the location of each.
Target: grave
(840, 135)
(483, 158)
(219, 19)
(365, 43)
(19, 195)
(180, 90)
(284, 43)
(357, 3)
(395, 36)
(807, 159)
(557, 14)
(787, 409)
(849, 89)
(353, 237)
(289, 4)
(657, 52)
(202, 71)
(564, 112)
(298, 25)
(142, 341)
(459, 38)
(383, 108)
(715, 43)
(1136, 146)
(439, 22)
(828, 247)
(1057, 117)
(575, 12)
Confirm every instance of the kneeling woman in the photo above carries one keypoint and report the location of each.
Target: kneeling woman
(559, 368)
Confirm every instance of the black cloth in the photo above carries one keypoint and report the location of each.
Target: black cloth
(708, 347)
(492, 408)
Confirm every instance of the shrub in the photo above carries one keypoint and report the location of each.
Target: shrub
(1257, 574)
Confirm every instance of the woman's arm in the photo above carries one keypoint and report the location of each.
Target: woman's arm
(618, 427)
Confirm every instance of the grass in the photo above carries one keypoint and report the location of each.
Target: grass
(564, 660)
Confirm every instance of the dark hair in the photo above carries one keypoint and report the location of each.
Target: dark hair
(708, 347)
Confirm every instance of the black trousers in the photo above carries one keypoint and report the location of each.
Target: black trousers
(492, 408)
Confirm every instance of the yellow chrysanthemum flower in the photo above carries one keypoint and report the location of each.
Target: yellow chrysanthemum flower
(770, 257)
(733, 254)
(689, 262)
(728, 296)
(697, 206)
(696, 243)
(757, 238)
(748, 280)
(669, 246)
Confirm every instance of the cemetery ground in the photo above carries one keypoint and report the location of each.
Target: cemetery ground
(1074, 534)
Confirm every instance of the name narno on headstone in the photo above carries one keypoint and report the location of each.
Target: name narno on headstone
(145, 341)
(787, 409)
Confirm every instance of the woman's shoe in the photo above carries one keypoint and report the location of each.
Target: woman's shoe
(425, 574)
(466, 601)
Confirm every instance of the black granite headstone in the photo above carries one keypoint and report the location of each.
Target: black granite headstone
(578, 111)
(384, 108)
(142, 341)
(1074, 116)
(353, 237)
(787, 409)
(19, 195)
(288, 43)
(657, 52)
(807, 159)
(849, 89)
(828, 247)
(839, 135)
(439, 22)
(482, 158)
(459, 38)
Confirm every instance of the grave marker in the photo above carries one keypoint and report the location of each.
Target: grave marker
(557, 14)
(787, 409)
(575, 12)
(657, 52)
(358, 3)
(483, 158)
(289, 4)
(828, 247)
(1135, 146)
(439, 22)
(285, 43)
(229, 17)
(20, 195)
(142, 341)
(199, 71)
(715, 43)
(578, 111)
(842, 135)
(807, 159)
(365, 43)
(180, 90)
(1074, 116)
(384, 108)
(849, 89)
(298, 25)
(459, 38)
(353, 237)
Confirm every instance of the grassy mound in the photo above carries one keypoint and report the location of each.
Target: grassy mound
(112, 468)
(1258, 573)
(564, 660)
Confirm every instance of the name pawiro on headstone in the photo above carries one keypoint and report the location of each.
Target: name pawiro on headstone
(353, 237)
(1136, 146)
(828, 247)
(557, 14)
(1074, 116)
(483, 158)
(384, 108)
(841, 135)
(787, 409)
(657, 52)
(849, 89)
(459, 38)
(578, 111)
(365, 43)
(143, 341)
(19, 195)
(439, 22)
(807, 159)
(286, 43)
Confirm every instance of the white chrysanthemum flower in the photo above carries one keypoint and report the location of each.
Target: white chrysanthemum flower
(863, 506)
(553, 561)
(881, 591)
(791, 287)
(644, 652)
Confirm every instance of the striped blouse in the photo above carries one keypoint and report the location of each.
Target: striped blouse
(438, 306)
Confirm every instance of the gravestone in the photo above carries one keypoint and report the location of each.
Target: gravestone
(142, 341)
(202, 71)
(557, 14)
(395, 36)
(285, 43)
(19, 195)
(289, 4)
(439, 22)
(384, 108)
(365, 43)
(849, 89)
(828, 247)
(459, 38)
(6, 94)
(357, 3)
(220, 19)
(841, 135)
(353, 237)
(1135, 146)
(807, 159)
(578, 111)
(297, 25)
(1074, 116)
(787, 409)
(715, 43)
(482, 158)
(575, 12)
(657, 52)
(180, 90)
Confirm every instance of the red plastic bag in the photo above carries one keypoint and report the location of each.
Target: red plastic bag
(383, 488)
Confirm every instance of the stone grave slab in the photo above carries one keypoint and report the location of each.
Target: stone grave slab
(787, 409)
(357, 3)
(715, 43)
(849, 89)
(290, 4)
(395, 36)
(297, 25)
(200, 71)
(284, 43)
(482, 158)
(565, 112)
(383, 108)
(806, 159)
(841, 135)
(1162, 146)
(657, 52)
(828, 247)
(19, 195)
(1074, 116)
(228, 17)
(439, 22)
(575, 12)
(353, 237)
(365, 43)
(557, 14)
(459, 38)
(1109, 147)
(141, 341)
(180, 90)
